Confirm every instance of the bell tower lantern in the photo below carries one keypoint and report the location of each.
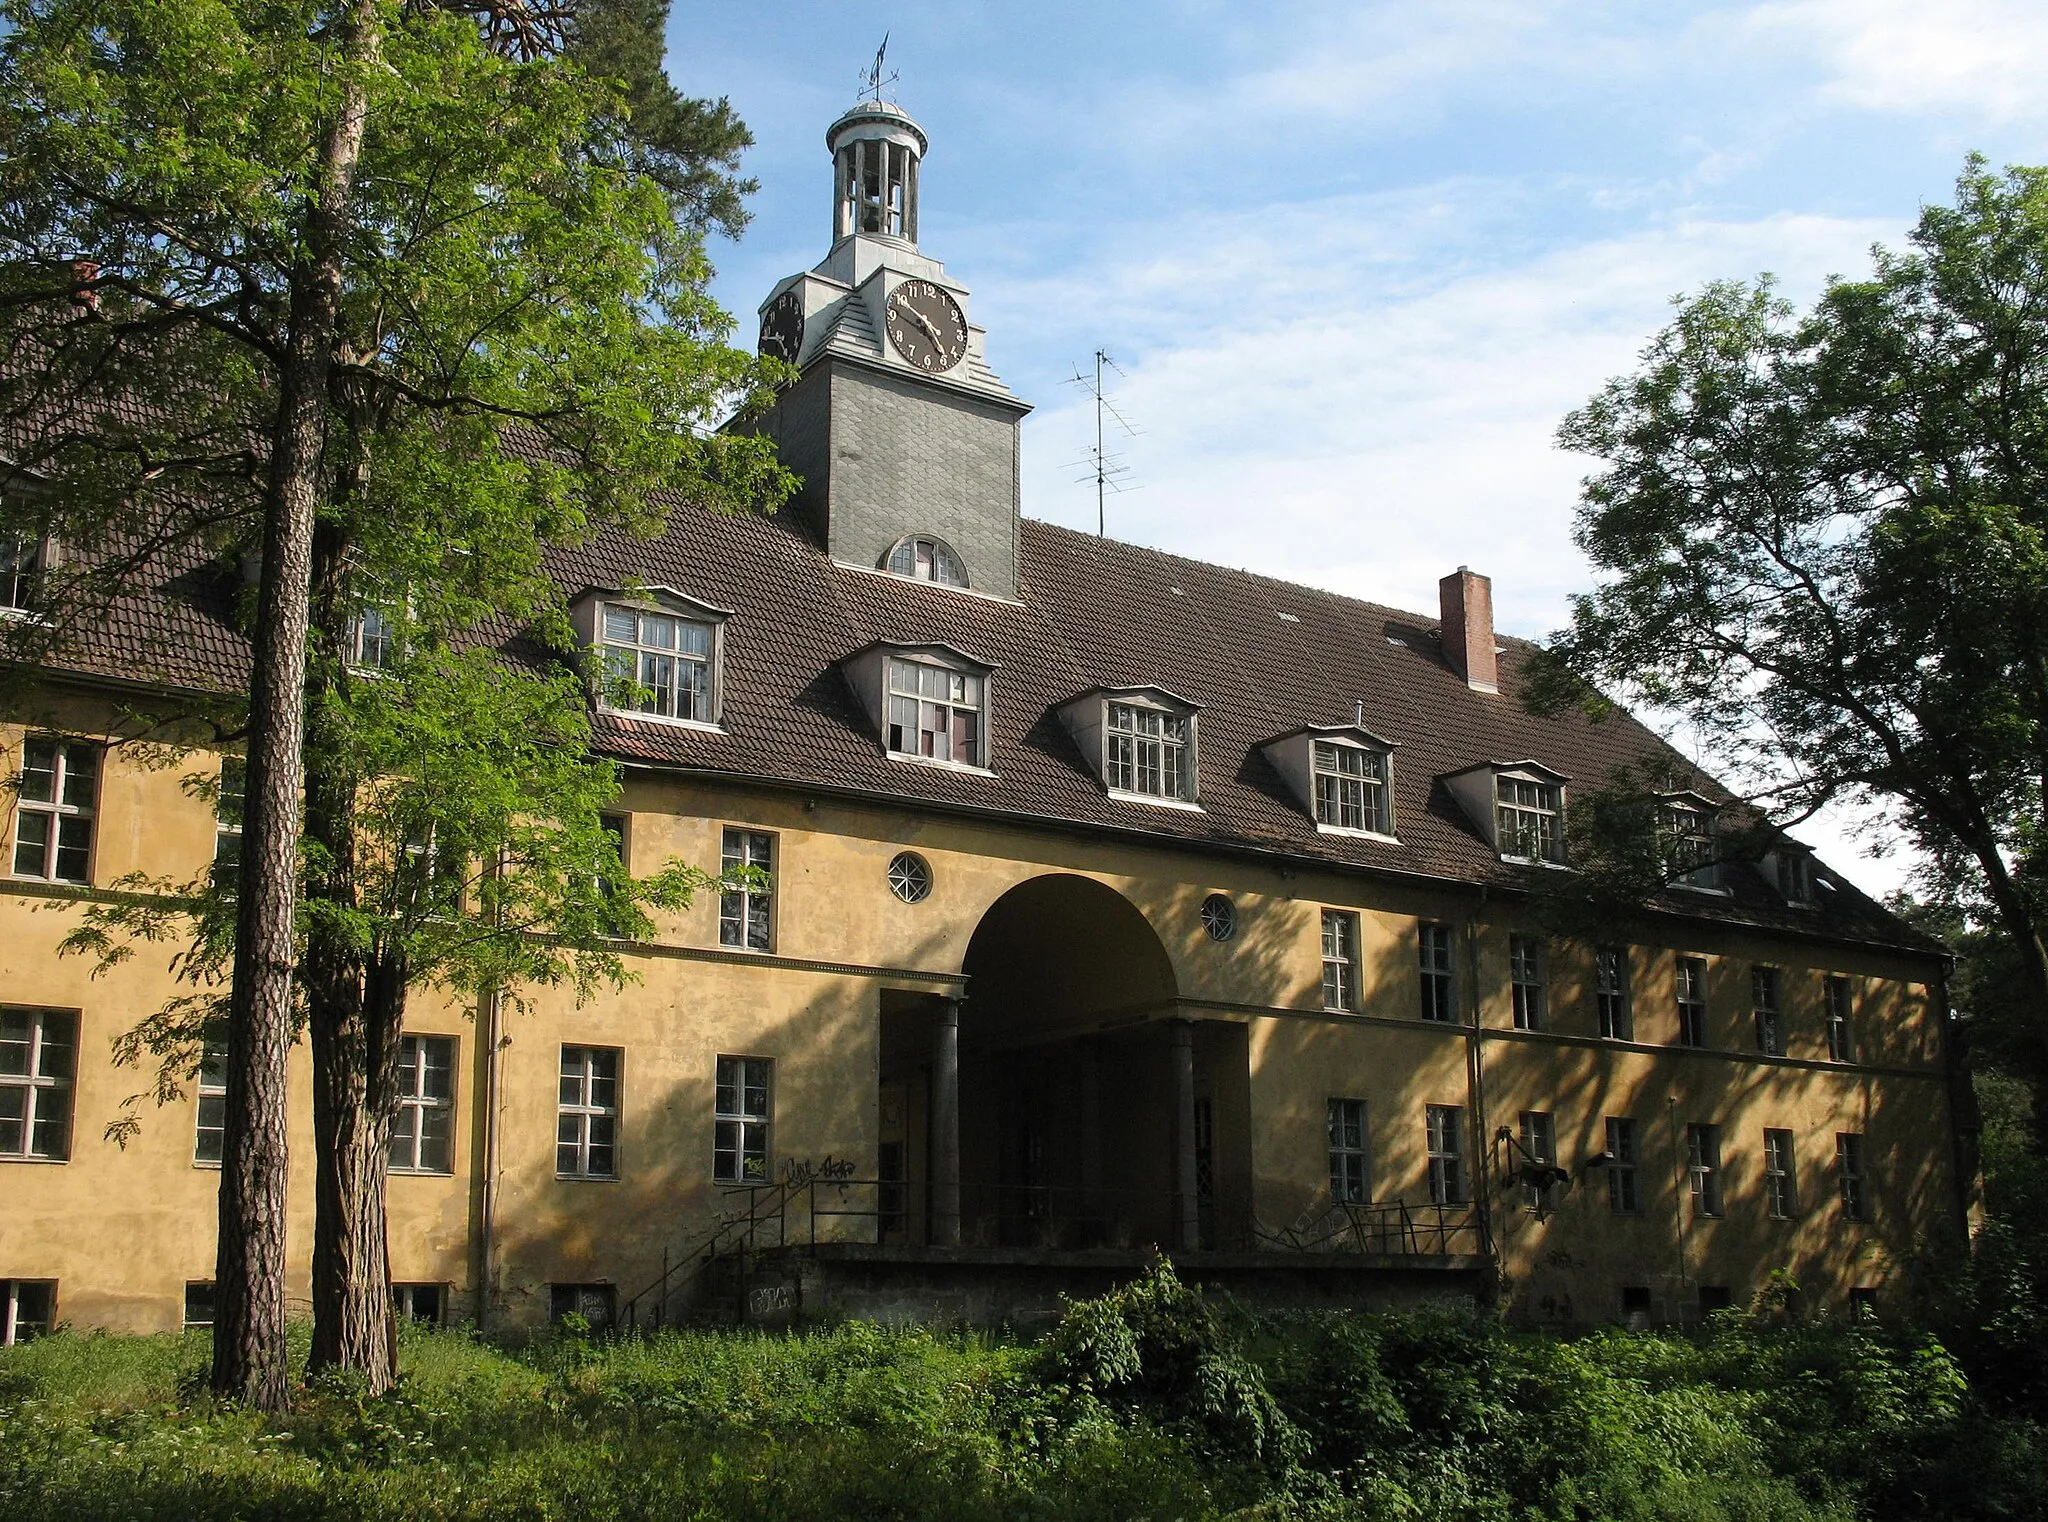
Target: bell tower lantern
(905, 439)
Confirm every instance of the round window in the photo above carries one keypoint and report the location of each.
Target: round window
(1219, 917)
(910, 877)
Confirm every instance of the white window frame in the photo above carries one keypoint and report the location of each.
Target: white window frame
(1703, 1169)
(11, 1321)
(1539, 1142)
(60, 810)
(918, 692)
(746, 913)
(373, 641)
(1350, 1152)
(581, 1114)
(1528, 981)
(191, 1323)
(24, 558)
(1852, 1177)
(1444, 1135)
(1340, 961)
(418, 1108)
(406, 1297)
(1781, 1173)
(1527, 807)
(1766, 999)
(1841, 1018)
(642, 663)
(1624, 1181)
(1611, 993)
(928, 557)
(1794, 877)
(1142, 739)
(1438, 987)
(1689, 987)
(1686, 829)
(230, 798)
(43, 1098)
(210, 1112)
(1348, 801)
(742, 1129)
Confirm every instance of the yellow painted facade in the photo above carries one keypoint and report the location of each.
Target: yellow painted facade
(1093, 955)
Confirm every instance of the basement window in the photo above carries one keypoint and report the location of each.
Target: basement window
(28, 1309)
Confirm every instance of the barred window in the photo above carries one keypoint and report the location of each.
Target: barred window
(1530, 819)
(1623, 1194)
(1611, 993)
(1692, 1001)
(1350, 1162)
(55, 799)
(1149, 752)
(1340, 960)
(1434, 944)
(746, 903)
(422, 1125)
(1351, 788)
(1446, 1136)
(1781, 1179)
(587, 1116)
(38, 1060)
(1526, 981)
(1763, 989)
(659, 664)
(739, 1149)
(935, 713)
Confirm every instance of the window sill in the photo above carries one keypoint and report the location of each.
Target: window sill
(1350, 834)
(24, 616)
(667, 721)
(54, 882)
(937, 765)
(748, 951)
(27, 1157)
(1535, 861)
(419, 1172)
(1117, 795)
(204, 1166)
(586, 1178)
(1712, 890)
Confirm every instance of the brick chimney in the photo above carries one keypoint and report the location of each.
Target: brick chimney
(1467, 628)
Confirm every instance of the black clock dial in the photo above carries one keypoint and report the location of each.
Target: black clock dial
(927, 326)
(782, 327)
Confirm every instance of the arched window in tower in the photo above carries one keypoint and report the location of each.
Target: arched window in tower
(923, 558)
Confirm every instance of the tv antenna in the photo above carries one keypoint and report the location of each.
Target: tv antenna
(1103, 468)
(872, 80)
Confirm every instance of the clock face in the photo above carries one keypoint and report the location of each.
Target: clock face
(927, 326)
(782, 327)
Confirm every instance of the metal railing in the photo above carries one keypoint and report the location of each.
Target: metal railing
(739, 1231)
(1379, 1227)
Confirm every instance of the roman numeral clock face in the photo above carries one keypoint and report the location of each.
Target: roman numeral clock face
(927, 326)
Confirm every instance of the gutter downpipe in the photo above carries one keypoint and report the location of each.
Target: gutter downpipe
(493, 1009)
(1475, 1082)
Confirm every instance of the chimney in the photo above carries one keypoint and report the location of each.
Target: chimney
(1467, 629)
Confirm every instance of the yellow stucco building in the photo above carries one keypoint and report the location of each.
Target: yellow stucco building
(1114, 900)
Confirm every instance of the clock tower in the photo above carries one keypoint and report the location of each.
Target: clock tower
(903, 435)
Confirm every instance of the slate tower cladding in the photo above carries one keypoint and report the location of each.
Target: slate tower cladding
(903, 435)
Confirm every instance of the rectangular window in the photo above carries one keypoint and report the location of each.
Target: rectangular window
(1795, 876)
(1763, 996)
(228, 804)
(1351, 788)
(1350, 1163)
(1841, 1036)
(1446, 1126)
(1340, 960)
(28, 1309)
(1849, 1174)
(1434, 942)
(1526, 981)
(586, 1127)
(373, 640)
(420, 1302)
(1781, 1176)
(1636, 1307)
(423, 1124)
(53, 812)
(1623, 1184)
(593, 1304)
(21, 569)
(198, 1305)
(1688, 841)
(38, 1058)
(1703, 1168)
(1148, 752)
(1610, 993)
(739, 1146)
(935, 713)
(744, 905)
(212, 1127)
(1530, 819)
(1539, 1144)
(658, 663)
(1692, 1002)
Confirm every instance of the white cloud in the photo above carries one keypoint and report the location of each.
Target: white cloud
(1986, 58)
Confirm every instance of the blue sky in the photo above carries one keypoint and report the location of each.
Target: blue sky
(1356, 260)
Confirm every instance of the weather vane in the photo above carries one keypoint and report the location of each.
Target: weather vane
(872, 80)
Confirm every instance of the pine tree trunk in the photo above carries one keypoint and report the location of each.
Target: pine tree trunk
(249, 1354)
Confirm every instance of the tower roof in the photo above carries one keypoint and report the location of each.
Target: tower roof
(882, 119)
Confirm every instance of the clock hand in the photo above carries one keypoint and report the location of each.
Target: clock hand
(931, 329)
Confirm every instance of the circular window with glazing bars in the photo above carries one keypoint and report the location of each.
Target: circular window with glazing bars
(910, 877)
(1219, 917)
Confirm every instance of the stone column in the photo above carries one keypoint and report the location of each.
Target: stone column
(945, 1158)
(1187, 1217)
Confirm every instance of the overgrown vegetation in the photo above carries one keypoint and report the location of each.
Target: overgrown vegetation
(1151, 1402)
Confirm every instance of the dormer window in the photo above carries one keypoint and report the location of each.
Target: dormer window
(21, 572)
(1139, 740)
(922, 558)
(1792, 869)
(934, 712)
(1351, 788)
(372, 640)
(1531, 815)
(1685, 833)
(659, 652)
